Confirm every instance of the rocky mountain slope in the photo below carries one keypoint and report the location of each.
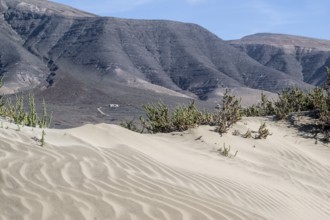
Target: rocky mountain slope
(300, 57)
(79, 61)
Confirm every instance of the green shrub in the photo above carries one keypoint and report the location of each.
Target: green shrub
(325, 110)
(248, 134)
(229, 114)
(158, 118)
(263, 108)
(130, 125)
(185, 117)
(263, 132)
(290, 100)
(206, 118)
(17, 113)
(225, 151)
(317, 99)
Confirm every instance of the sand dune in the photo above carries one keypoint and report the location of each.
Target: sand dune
(107, 172)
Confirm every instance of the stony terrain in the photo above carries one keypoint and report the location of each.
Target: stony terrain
(300, 57)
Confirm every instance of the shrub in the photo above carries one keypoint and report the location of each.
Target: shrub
(325, 110)
(206, 118)
(32, 119)
(290, 100)
(17, 113)
(317, 100)
(229, 114)
(158, 118)
(263, 132)
(42, 139)
(130, 125)
(248, 134)
(225, 151)
(264, 108)
(236, 133)
(185, 117)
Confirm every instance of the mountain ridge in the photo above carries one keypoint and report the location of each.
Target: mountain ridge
(70, 56)
(301, 57)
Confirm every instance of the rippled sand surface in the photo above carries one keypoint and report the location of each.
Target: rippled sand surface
(107, 172)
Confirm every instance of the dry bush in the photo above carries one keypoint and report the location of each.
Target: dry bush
(130, 125)
(264, 108)
(18, 113)
(185, 117)
(225, 151)
(229, 114)
(325, 110)
(236, 133)
(263, 132)
(248, 134)
(160, 120)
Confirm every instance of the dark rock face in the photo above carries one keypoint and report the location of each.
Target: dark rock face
(181, 57)
(302, 58)
(78, 60)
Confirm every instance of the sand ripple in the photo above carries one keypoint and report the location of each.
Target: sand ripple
(114, 179)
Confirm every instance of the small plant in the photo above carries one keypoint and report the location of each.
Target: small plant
(264, 108)
(158, 118)
(206, 118)
(248, 134)
(325, 111)
(32, 116)
(16, 112)
(225, 151)
(236, 133)
(263, 132)
(229, 114)
(45, 121)
(42, 139)
(130, 125)
(185, 117)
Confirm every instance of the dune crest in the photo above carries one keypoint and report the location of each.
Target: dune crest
(107, 172)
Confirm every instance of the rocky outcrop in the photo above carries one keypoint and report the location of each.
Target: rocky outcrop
(300, 57)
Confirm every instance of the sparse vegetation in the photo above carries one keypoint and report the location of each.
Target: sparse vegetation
(248, 134)
(160, 120)
(229, 114)
(236, 133)
(225, 151)
(289, 101)
(263, 132)
(42, 139)
(317, 101)
(264, 108)
(18, 114)
(16, 111)
(185, 117)
(130, 125)
(325, 110)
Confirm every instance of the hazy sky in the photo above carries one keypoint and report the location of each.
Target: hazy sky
(229, 19)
